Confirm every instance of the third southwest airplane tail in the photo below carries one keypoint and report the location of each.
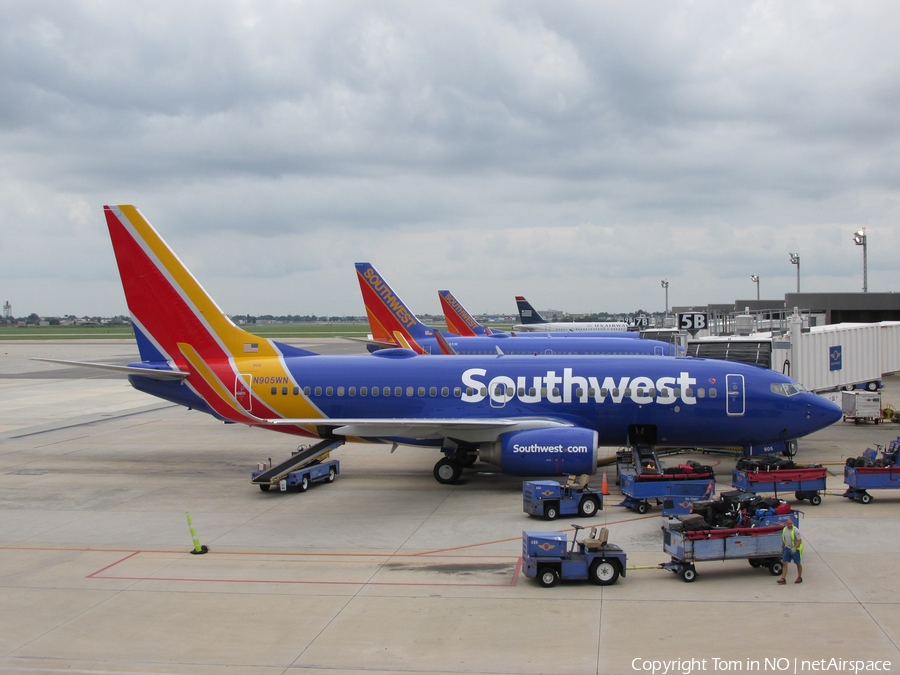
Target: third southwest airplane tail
(459, 321)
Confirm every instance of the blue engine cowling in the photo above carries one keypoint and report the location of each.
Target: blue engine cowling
(556, 451)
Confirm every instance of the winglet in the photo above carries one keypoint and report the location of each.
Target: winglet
(443, 344)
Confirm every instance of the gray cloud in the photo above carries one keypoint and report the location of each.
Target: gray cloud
(575, 153)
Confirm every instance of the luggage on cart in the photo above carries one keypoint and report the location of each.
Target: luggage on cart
(870, 472)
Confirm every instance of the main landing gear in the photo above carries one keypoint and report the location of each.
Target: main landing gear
(450, 468)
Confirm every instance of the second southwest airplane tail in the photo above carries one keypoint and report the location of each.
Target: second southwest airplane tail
(389, 317)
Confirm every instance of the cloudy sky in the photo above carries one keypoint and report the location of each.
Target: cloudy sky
(576, 153)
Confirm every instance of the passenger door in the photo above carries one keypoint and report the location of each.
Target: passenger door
(734, 391)
(243, 386)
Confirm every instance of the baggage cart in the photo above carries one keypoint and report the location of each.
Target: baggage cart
(675, 493)
(805, 482)
(861, 406)
(862, 478)
(861, 475)
(761, 546)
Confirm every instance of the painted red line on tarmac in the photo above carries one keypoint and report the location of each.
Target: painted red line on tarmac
(92, 575)
(310, 583)
(515, 578)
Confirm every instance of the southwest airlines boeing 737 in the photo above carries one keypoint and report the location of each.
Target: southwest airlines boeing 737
(393, 324)
(527, 415)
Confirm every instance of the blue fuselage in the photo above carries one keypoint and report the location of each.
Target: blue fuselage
(689, 401)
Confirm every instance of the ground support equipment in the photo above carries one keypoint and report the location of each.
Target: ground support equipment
(307, 466)
(761, 546)
(804, 482)
(547, 557)
(869, 472)
(642, 477)
(550, 499)
(676, 492)
(861, 406)
(862, 478)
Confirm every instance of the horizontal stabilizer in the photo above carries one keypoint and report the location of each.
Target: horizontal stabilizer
(150, 373)
(367, 341)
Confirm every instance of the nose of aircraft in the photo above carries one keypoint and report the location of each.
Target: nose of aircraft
(820, 412)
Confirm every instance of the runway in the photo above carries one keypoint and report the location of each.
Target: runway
(383, 571)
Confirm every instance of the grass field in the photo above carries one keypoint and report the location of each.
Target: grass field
(287, 330)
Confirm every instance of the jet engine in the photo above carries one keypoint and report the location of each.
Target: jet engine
(555, 451)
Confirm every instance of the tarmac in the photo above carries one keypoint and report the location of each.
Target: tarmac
(383, 571)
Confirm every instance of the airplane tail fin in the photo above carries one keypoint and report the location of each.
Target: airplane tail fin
(527, 313)
(388, 316)
(168, 305)
(459, 321)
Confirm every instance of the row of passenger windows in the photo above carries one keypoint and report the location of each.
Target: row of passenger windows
(366, 391)
(498, 391)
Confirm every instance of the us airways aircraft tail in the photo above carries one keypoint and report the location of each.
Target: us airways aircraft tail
(529, 416)
(532, 321)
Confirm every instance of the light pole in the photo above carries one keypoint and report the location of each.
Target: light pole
(665, 284)
(795, 260)
(755, 279)
(859, 238)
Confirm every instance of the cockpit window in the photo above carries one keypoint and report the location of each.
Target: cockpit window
(786, 389)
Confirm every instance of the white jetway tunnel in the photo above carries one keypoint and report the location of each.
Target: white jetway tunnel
(820, 358)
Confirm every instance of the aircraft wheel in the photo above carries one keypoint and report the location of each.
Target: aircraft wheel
(447, 471)
(331, 475)
(587, 507)
(604, 572)
(304, 484)
(547, 577)
(264, 488)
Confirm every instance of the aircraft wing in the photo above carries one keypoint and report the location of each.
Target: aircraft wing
(475, 430)
(151, 373)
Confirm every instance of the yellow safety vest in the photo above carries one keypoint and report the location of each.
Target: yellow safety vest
(793, 539)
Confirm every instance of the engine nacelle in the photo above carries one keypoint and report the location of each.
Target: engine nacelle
(557, 451)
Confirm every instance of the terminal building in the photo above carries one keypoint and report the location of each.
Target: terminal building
(833, 340)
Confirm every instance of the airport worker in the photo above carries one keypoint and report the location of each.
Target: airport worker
(791, 549)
